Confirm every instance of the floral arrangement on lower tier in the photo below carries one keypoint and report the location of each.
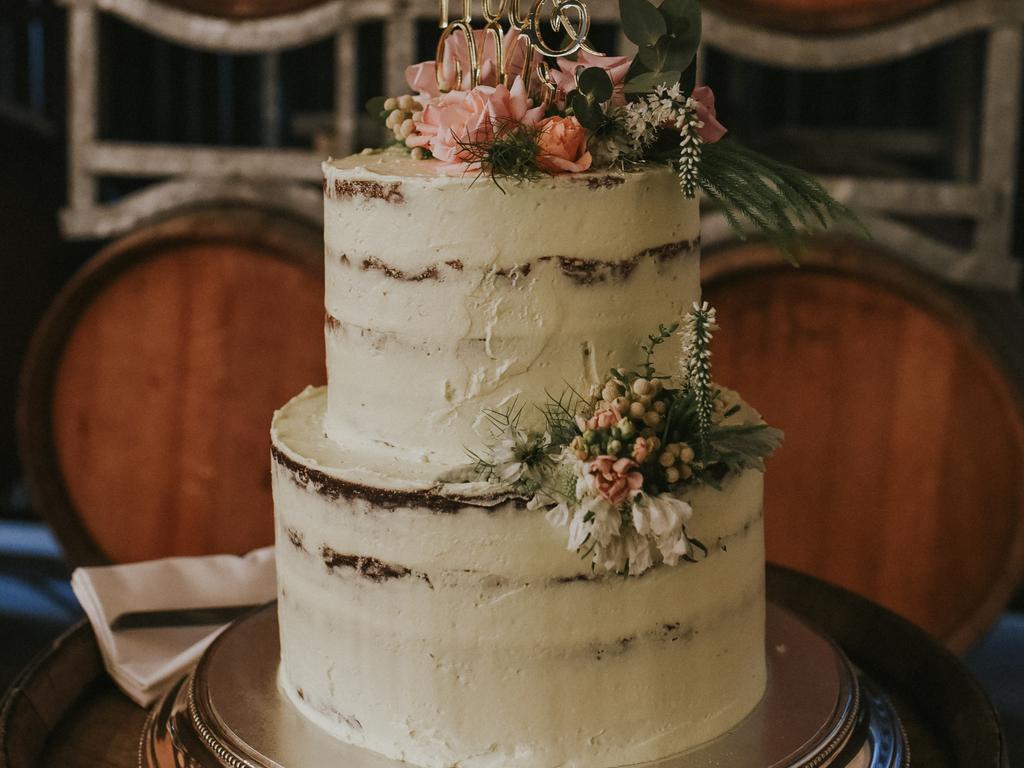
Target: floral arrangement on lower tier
(611, 467)
(500, 116)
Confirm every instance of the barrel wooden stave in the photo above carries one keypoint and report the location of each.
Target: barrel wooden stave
(242, 9)
(147, 396)
(900, 476)
(822, 16)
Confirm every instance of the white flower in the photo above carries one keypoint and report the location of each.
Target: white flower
(638, 550)
(629, 551)
(667, 516)
(507, 464)
(511, 456)
(641, 518)
(580, 530)
(558, 515)
(557, 512)
(607, 522)
(612, 557)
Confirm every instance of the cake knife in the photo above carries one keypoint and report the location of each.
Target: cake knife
(180, 617)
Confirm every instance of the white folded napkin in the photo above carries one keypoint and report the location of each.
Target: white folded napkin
(145, 663)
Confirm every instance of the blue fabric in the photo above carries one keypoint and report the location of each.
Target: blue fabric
(36, 605)
(36, 602)
(998, 663)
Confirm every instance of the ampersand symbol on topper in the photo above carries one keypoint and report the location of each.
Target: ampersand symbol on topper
(571, 18)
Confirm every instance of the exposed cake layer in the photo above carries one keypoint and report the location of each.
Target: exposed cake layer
(446, 296)
(441, 632)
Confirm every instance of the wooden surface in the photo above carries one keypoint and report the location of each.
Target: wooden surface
(949, 720)
(818, 16)
(901, 475)
(148, 391)
(242, 9)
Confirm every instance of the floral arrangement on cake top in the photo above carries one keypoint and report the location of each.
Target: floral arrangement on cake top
(611, 465)
(505, 102)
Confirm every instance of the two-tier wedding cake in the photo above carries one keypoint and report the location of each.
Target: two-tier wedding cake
(522, 526)
(446, 623)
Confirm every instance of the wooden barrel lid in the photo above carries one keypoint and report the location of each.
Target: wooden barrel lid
(147, 393)
(901, 475)
(243, 9)
(822, 16)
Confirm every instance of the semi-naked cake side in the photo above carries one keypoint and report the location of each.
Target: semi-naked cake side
(447, 296)
(433, 617)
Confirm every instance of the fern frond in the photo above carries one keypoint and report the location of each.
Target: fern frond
(780, 201)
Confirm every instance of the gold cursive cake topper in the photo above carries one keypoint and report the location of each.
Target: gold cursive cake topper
(569, 17)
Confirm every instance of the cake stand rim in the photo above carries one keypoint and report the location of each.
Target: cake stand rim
(830, 739)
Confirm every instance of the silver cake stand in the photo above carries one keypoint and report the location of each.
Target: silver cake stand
(816, 712)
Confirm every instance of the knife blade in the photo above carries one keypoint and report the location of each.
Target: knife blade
(180, 617)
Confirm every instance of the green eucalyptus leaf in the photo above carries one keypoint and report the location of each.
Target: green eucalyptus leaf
(666, 56)
(652, 57)
(647, 81)
(596, 84)
(677, 57)
(586, 111)
(641, 22)
(681, 16)
(684, 27)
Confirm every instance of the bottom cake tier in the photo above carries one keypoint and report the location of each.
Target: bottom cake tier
(443, 627)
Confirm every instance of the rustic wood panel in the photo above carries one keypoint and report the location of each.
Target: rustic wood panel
(901, 477)
(149, 389)
(822, 15)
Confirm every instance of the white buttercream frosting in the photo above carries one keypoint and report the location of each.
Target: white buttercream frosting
(446, 296)
(446, 624)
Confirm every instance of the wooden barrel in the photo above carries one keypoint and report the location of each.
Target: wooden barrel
(821, 16)
(65, 712)
(243, 9)
(146, 397)
(901, 475)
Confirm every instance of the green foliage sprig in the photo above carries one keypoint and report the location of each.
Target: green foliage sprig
(691, 151)
(560, 412)
(667, 37)
(782, 202)
(593, 90)
(512, 153)
(700, 325)
(665, 332)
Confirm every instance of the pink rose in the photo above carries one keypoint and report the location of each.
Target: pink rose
(563, 149)
(616, 479)
(605, 418)
(712, 130)
(422, 77)
(470, 117)
(615, 66)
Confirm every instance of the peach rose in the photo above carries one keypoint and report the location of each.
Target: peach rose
(469, 117)
(422, 77)
(641, 449)
(615, 66)
(605, 418)
(712, 130)
(563, 147)
(616, 479)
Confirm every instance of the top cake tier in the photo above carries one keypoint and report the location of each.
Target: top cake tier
(446, 296)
